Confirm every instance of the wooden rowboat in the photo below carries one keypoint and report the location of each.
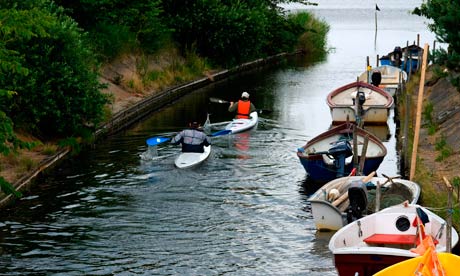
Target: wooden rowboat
(330, 154)
(333, 208)
(359, 102)
(391, 78)
(392, 235)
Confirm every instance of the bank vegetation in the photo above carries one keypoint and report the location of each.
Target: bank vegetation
(438, 150)
(55, 55)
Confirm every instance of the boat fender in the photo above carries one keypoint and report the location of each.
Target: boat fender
(333, 195)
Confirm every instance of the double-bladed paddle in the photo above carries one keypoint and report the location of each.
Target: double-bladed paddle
(153, 141)
(217, 100)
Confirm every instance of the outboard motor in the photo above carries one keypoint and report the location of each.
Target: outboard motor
(397, 55)
(361, 100)
(357, 195)
(376, 78)
(340, 151)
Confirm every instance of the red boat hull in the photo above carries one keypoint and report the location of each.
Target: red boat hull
(364, 264)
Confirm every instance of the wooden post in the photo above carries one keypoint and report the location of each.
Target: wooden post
(355, 150)
(405, 164)
(377, 196)
(363, 153)
(449, 215)
(377, 61)
(413, 162)
(406, 58)
(368, 69)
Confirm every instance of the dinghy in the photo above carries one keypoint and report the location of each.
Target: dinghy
(359, 102)
(392, 235)
(346, 199)
(330, 155)
(386, 77)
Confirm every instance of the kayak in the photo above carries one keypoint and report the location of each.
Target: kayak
(240, 125)
(191, 159)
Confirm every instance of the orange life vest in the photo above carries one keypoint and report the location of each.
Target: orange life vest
(243, 109)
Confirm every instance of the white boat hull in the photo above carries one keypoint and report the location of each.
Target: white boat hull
(382, 239)
(192, 159)
(393, 78)
(374, 108)
(240, 125)
(374, 115)
(328, 217)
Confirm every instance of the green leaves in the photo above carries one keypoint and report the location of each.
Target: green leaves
(53, 71)
(231, 32)
(7, 188)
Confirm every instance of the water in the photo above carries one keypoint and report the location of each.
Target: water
(243, 212)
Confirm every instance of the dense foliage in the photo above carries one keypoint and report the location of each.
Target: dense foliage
(49, 82)
(50, 50)
(120, 25)
(445, 16)
(233, 31)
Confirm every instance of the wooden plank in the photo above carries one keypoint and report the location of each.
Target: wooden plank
(419, 114)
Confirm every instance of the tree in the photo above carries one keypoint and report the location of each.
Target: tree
(446, 19)
(52, 72)
(115, 20)
(233, 31)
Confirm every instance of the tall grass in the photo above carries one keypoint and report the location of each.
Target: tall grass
(314, 40)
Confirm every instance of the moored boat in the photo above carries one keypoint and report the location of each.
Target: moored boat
(192, 159)
(359, 102)
(240, 125)
(386, 77)
(333, 207)
(330, 154)
(406, 58)
(392, 235)
(448, 262)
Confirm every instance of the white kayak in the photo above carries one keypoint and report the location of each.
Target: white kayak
(191, 159)
(240, 125)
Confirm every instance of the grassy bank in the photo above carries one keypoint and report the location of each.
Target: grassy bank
(434, 157)
(135, 75)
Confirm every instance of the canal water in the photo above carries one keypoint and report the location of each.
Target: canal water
(244, 211)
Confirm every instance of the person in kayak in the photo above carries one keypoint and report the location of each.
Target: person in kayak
(243, 107)
(193, 139)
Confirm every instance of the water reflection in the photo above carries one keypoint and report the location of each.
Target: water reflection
(242, 142)
(108, 212)
(381, 131)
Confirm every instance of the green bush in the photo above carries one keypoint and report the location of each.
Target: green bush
(443, 148)
(60, 93)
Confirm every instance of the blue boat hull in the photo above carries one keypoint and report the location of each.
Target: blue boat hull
(320, 172)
